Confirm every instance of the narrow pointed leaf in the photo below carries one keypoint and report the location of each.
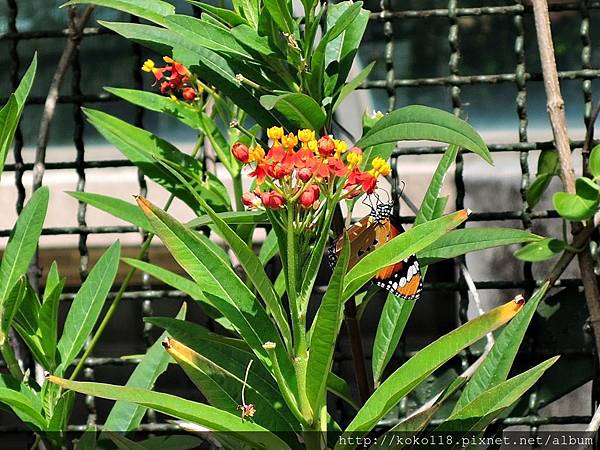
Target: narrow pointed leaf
(87, 305)
(423, 364)
(301, 110)
(212, 418)
(151, 10)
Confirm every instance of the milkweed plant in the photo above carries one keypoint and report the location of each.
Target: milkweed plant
(260, 88)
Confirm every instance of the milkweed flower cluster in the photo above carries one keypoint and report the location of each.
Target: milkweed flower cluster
(303, 169)
(175, 80)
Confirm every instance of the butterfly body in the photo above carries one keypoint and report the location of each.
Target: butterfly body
(402, 279)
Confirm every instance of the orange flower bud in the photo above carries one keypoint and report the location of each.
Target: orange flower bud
(189, 94)
(272, 200)
(309, 196)
(304, 174)
(326, 146)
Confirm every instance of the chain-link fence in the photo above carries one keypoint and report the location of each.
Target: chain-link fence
(455, 84)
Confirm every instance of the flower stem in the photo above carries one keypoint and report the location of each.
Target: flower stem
(238, 191)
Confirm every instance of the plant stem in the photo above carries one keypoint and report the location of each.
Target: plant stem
(556, 111)
(10, 359)
(238, 191)
(358, 356)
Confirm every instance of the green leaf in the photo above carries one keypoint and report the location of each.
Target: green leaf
(300, 109)
(126, 416)
(119, 208)
(88, 439)
(172, 442)
(22, 400)
(427, 209)
(21, 246)
(466, 240)
(222, 388)
(540, 250)
(280, 12)
(48, 314)
(205, 34)
(251, 264)
(61, 412)
(338, 387)
(353, 85)
(548, 163)
(11, 112)
(496, 366)
(232, 218)
(227, 292)
(594, 161)
(341, 51)
(87, 305)
(476, 415)
(151, 10)
(537, 188)
(423, 364)
(418, 122)
(224, 15)
(212, 418)
(250, 9)
(181, 111)
(580, 206)
(326, 330)
(11, 305)
(269, 248)
(402, 246)
(348, 18)
(143, 148)
(252, 41)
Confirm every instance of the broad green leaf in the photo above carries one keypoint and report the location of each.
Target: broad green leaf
(151, 10)
(479, 413)
(353, 85)
(402, 246)
(252, 41)
(206, 34)
(61, 412)
(580, 206)
(594, 161)
(251, 264)
(172, 442)
(423, 364)
(300, 110)
(496, 366)
(21, 246)
(126, 416)
(143, 148)
(22, 400)
(326, 330)
(87, 305)
(119, 208)
(537, 188)
(231, 296)
(280, 12)
(226, 16)
(341, 51)
(338, 387)
(11, 112)
(427, 209)
(250, 10)
(548, 163)
(540, 250)
(222, 388)
(182, 111)
(418, 122)
(212, 418)
(466, 240)
(232, 218)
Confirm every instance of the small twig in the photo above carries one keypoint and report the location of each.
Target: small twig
(473, 290)
(76, 25)
(556, 111)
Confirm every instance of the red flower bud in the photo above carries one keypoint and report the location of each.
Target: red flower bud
(189, 94)
(249, 199)
(272, 200)
(241, 152)
(279, 170)
(304, 174)
(309, 196)
(326, 146)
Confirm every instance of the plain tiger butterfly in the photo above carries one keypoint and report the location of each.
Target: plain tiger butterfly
(402, 279)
